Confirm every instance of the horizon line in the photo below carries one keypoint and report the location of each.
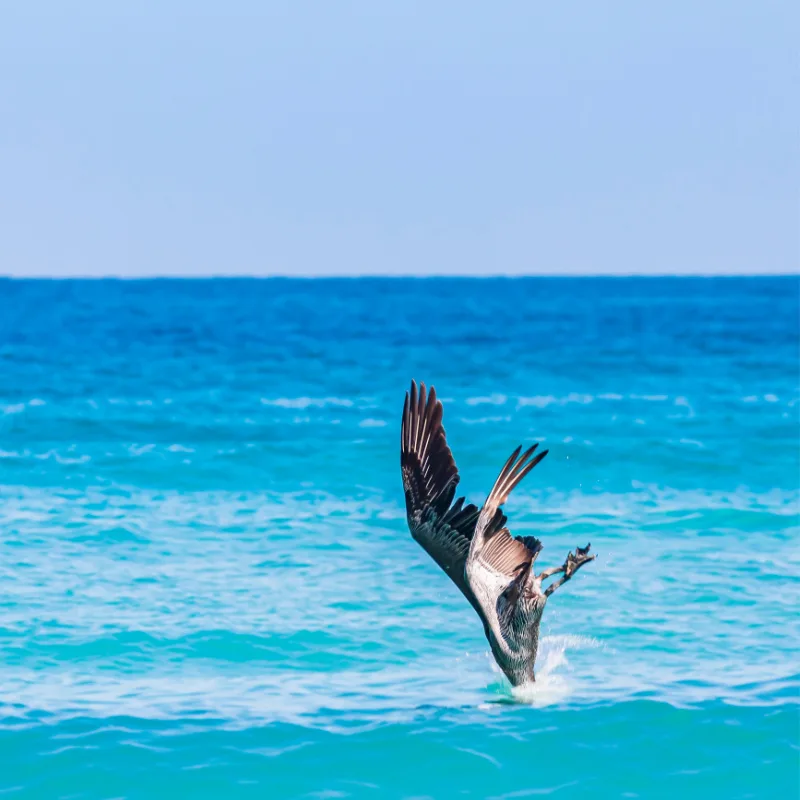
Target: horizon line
(392, 276)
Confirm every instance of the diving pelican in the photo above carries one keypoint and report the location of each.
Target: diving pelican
(493, 569)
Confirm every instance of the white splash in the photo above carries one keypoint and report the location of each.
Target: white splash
(552, 685)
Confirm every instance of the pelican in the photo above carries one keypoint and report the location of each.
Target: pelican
(493, 569)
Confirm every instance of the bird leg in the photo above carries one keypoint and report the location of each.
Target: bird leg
(572, 564)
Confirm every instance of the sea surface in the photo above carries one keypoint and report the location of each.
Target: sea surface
(207, 584)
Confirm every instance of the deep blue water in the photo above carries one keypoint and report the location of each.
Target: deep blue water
(207, 584)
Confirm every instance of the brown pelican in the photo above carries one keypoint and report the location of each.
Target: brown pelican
(492, 568)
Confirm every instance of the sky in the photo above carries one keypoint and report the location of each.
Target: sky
(360, 137)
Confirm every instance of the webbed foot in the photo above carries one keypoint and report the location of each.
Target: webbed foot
(575, 562)
(571, 566)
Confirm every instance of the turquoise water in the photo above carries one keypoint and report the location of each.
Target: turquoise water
(209, 589)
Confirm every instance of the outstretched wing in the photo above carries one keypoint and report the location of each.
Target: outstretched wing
(430, 478)
(499, 563)
(497, 549)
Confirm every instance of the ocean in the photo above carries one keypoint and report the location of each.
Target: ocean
(208, 588)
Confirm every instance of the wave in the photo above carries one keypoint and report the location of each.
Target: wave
(308, 402)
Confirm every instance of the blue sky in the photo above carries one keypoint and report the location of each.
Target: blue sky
(299, 138)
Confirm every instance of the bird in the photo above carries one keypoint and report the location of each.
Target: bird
(493, 569)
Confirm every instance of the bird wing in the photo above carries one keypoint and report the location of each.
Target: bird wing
(499, 564)
(430, 476)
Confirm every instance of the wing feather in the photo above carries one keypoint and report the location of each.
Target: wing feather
(442, 527)
(499, 565)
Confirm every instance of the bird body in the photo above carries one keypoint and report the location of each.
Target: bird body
(493, 569)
